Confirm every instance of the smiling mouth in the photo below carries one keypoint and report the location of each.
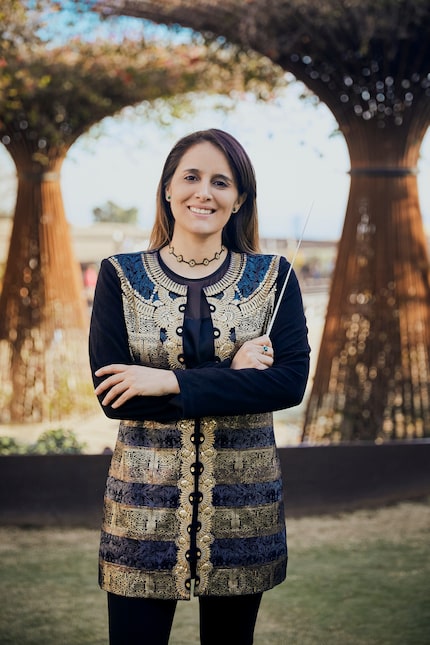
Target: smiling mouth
(201, 211)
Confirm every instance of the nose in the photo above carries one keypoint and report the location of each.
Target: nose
(204, 193)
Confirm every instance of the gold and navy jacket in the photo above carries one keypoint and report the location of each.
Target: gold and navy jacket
(194, 490)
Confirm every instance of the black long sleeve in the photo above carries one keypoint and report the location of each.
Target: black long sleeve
(206, 392)
(210, 389)
(108, 344)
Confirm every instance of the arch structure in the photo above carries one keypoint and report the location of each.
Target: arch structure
(57, 95)
(369, 62)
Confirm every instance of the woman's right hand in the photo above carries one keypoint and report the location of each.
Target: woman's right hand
(123, 382)
(256, 353)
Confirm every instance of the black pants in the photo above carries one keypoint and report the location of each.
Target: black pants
(226, 620)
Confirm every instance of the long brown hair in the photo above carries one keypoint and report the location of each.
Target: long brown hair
(241, 231)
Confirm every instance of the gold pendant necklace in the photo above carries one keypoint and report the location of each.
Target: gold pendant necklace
(192, 262)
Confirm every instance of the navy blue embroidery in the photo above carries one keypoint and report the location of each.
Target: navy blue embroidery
(241, 439)
(241, 552)
(256, 269)
(131, 264)
(148, 438)
(134, 494)
(247, 494)
(138, 554)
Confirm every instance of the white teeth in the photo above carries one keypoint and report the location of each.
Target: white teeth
(200, 211)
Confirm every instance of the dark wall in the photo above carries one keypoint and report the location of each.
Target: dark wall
(330, 479)
(67, 490)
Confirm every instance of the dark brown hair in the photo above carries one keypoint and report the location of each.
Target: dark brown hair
(241, 231)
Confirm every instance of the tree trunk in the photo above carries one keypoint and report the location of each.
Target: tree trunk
(43, 320)
(372, 379)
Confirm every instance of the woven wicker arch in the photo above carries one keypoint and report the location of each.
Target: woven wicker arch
(369, 61)
(57, 95)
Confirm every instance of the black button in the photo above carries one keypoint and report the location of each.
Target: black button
(197, 438)
(195, 497)
(197, 468)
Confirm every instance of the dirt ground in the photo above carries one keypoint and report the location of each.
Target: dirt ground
(404, 522)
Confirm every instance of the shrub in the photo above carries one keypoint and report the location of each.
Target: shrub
(9, 446)
(50, 442)
(56, 442)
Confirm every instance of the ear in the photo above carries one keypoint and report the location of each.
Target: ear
(238, 203)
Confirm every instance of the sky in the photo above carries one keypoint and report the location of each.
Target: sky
(295, 159)
(300, 163)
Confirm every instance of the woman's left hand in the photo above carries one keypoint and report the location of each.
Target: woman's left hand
(256, 353)
(123, 382)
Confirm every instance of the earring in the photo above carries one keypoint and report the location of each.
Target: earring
(235, 209)
(168, 197)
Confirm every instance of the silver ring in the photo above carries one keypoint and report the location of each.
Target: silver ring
(265, 349)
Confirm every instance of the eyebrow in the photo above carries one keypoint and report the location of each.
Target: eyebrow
(218, 174)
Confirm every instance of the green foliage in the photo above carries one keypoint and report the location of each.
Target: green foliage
(57, 442)
(9, 446)
(111, 212)
(50, 94)
(50, 442)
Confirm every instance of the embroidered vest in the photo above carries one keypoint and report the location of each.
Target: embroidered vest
(240, 304)
(149, 499)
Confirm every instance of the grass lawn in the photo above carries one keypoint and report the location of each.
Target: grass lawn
(359, 578)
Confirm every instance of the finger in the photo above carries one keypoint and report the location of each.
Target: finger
(110, 369)
(265, 350)
(267, 361)
(122, 399)
(120, 392)
(264, 340)
(108, 383)
(261, 366)
(112, 395)
(101, 387)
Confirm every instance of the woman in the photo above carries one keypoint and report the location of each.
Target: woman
(179, 354)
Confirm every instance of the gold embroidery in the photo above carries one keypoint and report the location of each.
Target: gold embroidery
(206, 509)
(247, 521)
(239, 580)
(164, 310)
(125, 581)
(247, 466)
(185, 510)
(144, 425)
(246, 421)
(247, 316)
(139, 523)
(145, 465)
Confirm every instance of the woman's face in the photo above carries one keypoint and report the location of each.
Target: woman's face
(203, 192)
